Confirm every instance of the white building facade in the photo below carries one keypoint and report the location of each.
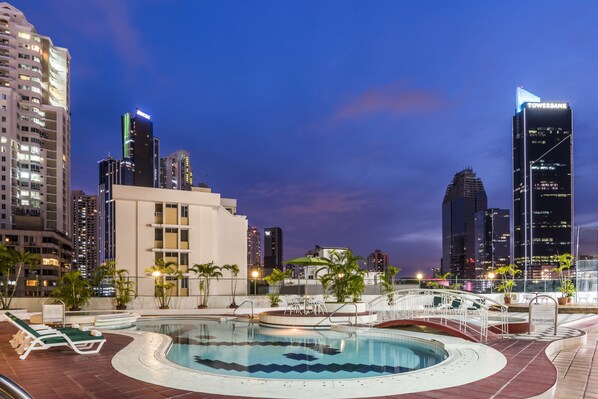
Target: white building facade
(185, 227)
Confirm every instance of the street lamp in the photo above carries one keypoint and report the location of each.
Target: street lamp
(531, 211)
(255, 274)
(419, 279)
(491, 276)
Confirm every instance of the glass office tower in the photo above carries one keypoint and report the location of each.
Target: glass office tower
(542, 183)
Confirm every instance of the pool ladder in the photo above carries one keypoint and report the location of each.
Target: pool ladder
(329, 317)
(242, 303)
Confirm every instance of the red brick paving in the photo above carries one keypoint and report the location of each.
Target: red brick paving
(60, 373)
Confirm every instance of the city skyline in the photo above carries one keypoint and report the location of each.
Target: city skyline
(342, 132)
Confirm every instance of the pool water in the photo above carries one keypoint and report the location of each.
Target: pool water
(249, 350)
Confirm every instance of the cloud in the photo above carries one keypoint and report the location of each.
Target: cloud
(303, 202)
(124, 35)
(394, 99)
(428, 236)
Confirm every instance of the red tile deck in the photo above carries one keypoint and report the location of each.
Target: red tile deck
(60, 373)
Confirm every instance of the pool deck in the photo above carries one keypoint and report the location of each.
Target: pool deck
(60, 373)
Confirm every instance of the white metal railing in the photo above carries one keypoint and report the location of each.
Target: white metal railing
(460, 309)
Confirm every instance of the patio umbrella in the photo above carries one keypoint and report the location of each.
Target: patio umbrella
(307, 261)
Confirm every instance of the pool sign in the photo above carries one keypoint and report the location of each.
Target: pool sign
(543, 310)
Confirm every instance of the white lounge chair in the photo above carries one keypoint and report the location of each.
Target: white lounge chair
(39, 338)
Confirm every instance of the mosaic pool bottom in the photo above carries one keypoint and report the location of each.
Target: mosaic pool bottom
(249, 350)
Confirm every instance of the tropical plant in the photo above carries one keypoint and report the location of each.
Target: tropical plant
(123, 288)
(73, 290)
(274, 280)
(205, 272)
(566, 286)
(12, 260)
(325, 279)
(164, 273)
(234, 272)
(347, 275)
(100, 274)
(274, 299)
(387, 280)
(507, 275)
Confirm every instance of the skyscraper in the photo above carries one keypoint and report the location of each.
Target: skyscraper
(377, 261)
(272, 249)
(465, 196)
(542, 182)
(254, 246)
(110, 173)
(35, 150)
(85, 232)
(492, 239)
(140, 148)
(175, 171)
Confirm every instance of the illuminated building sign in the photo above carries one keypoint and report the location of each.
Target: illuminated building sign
(143, 114)
(548, 105)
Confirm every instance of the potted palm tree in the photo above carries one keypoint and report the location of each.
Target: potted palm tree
(234, 272)
(73, 290)
(347, 275)
(164, 274)
(566, 286)
(123, 289)
(205, 272)
(274, 280)
(507, 273)
(387, 280)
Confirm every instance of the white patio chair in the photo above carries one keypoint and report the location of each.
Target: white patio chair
(294, 304)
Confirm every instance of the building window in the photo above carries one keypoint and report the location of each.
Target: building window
(171, 205)
(184, 259)
(184, 211)
(185, 235)
(158, 235)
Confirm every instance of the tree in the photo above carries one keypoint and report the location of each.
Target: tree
(274, 280)
(387, 280)
(73, 290)
(442, 277)
(205, 272)
(10, 260)
(566, 286)
(507, 273)
(105, 270)
(325, 280)
(234, 272)
(164, 272)
(123, 288)
(347, 275)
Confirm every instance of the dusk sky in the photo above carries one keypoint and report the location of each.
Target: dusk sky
(341, 122)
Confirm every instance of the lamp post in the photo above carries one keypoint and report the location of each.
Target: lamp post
(531, 211)
(491, 276)
(255, 274)
(419, 279)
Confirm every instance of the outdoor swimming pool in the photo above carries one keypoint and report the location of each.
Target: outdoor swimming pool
(247, 350)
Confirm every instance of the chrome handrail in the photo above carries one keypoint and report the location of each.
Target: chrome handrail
(12, 389)
(329, 317)
(242, 303)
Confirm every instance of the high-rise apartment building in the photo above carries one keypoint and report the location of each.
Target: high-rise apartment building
(492, 239)
(377, 261)
(272, 249)
(542, 182)
(140, 149)
(254, 246)
(110, 174)
(85, 232)
(35, 153)
(464, 196)
(175, 171)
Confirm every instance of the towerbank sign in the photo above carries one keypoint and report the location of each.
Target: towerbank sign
(548, 105)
